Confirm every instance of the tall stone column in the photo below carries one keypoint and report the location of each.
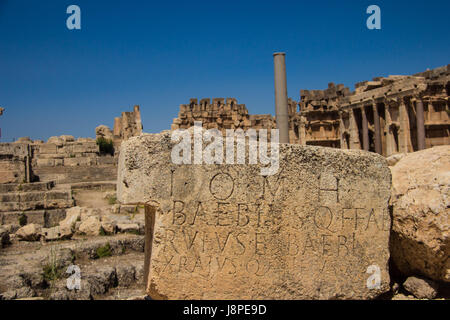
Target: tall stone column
(390, 140)
(342, 131)
(365, 129)
(376, 122)
(420, 122)
(137, 119)
(405, 134)
(281, 100)
(354, 136)
(302, 130)
(390, 143)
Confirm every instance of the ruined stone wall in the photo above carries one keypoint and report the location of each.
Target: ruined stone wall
(223, 114)
(62, 159)
(128, 125)
(220, 114)
(66, 160)
(387, 115)
(319, 117)
(15, 163)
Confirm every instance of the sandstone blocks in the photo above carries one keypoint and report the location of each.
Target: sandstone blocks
(318, 229)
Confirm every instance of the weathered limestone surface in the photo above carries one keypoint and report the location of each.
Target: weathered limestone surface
(226, 232)
(15, 163)
(103, 131)
(421, 201)
(421, 288)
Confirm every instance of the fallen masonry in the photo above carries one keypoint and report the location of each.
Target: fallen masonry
(317, 229)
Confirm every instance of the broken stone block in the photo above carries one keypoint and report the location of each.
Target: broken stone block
(72, 216)
(56, 141)
(91, 226)
(421, 288)
(56, 233)
(67, 138)
(420, 228)
(103, 131)
(101, 279)
(47, 148)
(30, 232)
(317, 229)
(108, 225)
(128, 227)
(21, 293)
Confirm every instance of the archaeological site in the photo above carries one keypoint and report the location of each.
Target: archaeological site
(357, 210)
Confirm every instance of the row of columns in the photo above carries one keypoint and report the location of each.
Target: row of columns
(420, 124)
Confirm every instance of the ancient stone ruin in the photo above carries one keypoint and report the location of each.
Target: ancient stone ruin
(40, 181)
(220, 114)
(312, 231)
(337, 223)
(58, 198)
(397, 114)
(125, 127)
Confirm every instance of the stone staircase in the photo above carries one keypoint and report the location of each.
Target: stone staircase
(112, 267)
(39, 203)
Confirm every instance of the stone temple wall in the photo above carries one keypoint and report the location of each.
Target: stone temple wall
(397, 114)
(15, 165)
(220, 114)
(66, 160)
(223, 114)
(388, 115)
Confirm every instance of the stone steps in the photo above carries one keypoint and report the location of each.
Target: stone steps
(26, 187)
(35, 200)
(116, 275)
(46, 218)
(94, 185)
(41, 202)
(111, 278)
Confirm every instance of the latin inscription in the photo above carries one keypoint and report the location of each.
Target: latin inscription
(220, 235)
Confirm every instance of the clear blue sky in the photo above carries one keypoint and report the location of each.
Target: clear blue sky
(159, 54)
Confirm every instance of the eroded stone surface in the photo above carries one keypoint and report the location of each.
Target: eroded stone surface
(421, 200)
(421, 288)
(226, 232)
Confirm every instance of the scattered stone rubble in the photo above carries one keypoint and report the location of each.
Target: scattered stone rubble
(35, 270)
(80, 221)
(58, 204)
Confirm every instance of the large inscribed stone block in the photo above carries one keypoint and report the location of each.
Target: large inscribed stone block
(318, 229)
